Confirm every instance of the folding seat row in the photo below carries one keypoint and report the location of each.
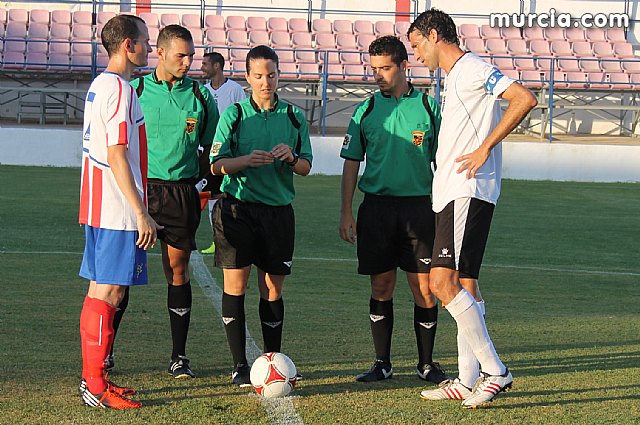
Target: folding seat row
(486, 32)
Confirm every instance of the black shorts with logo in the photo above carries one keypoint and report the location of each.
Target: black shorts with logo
(462, 230)
(395, 232)
(211, 183)
(248, 233)
(176, 206)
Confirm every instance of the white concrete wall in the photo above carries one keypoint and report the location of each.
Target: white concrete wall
(522, 160)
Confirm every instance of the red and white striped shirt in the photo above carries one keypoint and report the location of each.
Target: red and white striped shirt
(112, 116)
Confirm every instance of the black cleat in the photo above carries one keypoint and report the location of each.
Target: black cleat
(109, 363)
(241, 375)
(432, 372)
(179, 368)
(380, 369)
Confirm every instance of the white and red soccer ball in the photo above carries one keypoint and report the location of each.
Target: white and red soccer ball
(273, 375)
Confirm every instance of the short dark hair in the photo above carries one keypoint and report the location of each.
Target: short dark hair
(215, 57)
(171, 32)
(438, 20)
(261, 52)
(118, 29)
(389, 46)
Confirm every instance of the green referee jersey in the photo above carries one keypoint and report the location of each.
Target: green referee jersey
(399, 140)
(175, 126)
(270, 184)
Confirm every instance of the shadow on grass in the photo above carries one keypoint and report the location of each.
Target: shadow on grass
(596, 361)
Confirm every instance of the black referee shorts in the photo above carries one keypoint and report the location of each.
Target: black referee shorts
(248, 233)
(395, 232)
(176, 206)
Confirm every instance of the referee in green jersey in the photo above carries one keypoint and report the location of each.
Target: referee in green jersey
(396, 131)
(259, 144)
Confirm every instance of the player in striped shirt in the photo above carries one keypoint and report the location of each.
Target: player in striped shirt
(113, 204)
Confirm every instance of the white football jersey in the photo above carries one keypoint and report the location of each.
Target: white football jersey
(227, 94)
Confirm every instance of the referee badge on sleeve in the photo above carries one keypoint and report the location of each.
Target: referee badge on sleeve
(215, 148)
(346, 141)
(418, 137)
(191, 125)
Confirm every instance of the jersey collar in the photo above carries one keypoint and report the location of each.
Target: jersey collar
(256, 108)
(154, 78)
(408, 94)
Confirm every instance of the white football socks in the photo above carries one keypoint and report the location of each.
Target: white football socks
(468, 366)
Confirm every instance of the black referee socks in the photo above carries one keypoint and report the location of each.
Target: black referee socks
(271, 318)
(381, 319)
(425, 322)
(234, 326)
(179, 305)
(117, 318)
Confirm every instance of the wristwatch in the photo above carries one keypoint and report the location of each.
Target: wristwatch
(294, 162)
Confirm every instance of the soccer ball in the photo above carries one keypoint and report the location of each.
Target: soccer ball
(273, 375)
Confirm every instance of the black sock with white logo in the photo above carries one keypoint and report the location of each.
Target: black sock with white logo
(117, 318)
(179, 305)
(425, 323)
(234, 326)
(271, 318)
(381, 319)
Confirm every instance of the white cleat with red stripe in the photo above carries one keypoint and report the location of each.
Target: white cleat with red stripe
(449, 390)
(486, 388)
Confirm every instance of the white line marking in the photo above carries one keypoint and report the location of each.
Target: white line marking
(279, 410)
(352, 260)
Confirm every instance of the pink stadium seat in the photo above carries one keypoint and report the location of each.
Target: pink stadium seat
(81, 63)
(102, 61)
(561, 48)
(469, 31)
(511, 33)
(238, 55)
(277, 24)
(553, 34)
(258, 37)
(81, 17)
(383, 28)
(612, 66)
(102, 18)
(38, 31)
(488, 32)
(216, 37)
(635, 81)
(342, 26)
(16, 30)
(364, 41)
(169, 19)
(568, 65)
(191, 20)
(531, 79)
(325, 41)
(214, 22)
(305, 56)
(597, 80)
(582, 49)
(366, 59)
(235, 22)
(18, 15)
(238, 68)
(196, 34)
(81, 32)
(503, 63)
(2, 25)
(286, 55)
(623, 51)
(496, 46)
(475, 45)
(301, 40)
(619, 81)
(37, 46)
(401, 28)
(350, 58)
(576, 80)
(40, 16)
(595, 34)
(533, 33)
(82, 49)
(61, 17)
(237, 38)
(223, 51)
(540, 48)
(334, 71)
(331, 57)
(59, 47)
(288, 70)
(13, 60)
(524, 64)
(602, 49)
(152, 62)
(279, 39)
(354, 73)
(320, 26)
(590, 65)
(574, 34)
(308, 71)
(420, 74)
(3, 16)
(195, 69)
(511, 73)
(631, 67)
(18, 46)
(153, 36)
(298, 25)
(616, 35)
(36, 61)
(58, 62)
(517, 47)
(346, 41)
(543, 63)
(362, 26)
(256, 23)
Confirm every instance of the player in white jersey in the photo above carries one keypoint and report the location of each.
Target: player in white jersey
(226, 92)
(113, 204)
(466, 187)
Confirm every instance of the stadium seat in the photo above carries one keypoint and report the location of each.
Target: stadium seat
(602, 49)
(420, 75)
(36, 61)
(364, 41)
(533, 33)
(279, 39)
(517, 47)
(301, 40)
(346, 42)
(362, 26)
(16, 46)
(590, 66)
(319, 26)
(153, 36)
(39, 16)
(238, 68)
(574, 34)
(16, 30)
(334, 71)
(611, 66)
(224, 52)
(366, 58)
(35, 45)
(623, 51)
(18, 15)
(13, 60)
(561, 48)
(191, 21)
(81, 17)
(554, 34)
(598, 80)
(238, 54)
(38, 31)
(169, 19)
(62, 17)
(1, 34)
(511, 73)
(237, 38)
(256, 23)
(595, 34)
(382, 28)
(3, 16)
(511, 33)
(299, 25)
(196, 65)
(331, 57)
(503, 63)
(258, 37)
(619, 81)
(288, 70)
(350, 58)
(305, 56)
(540, 48)
(196, 34)
(325, 41)
(354, 73)
(216, 37)
(524, 64)
(342, 26)
(308, 71)
(582, 49)
(469, 31)
(81, 63)
(81, 32)
(531, 79)
(286, 55)
(151, 19)
(576, 80)
(277, 24)
(488, 32)
(59, 47)
(214, 22)
(631, 67)
(102, 18)
(235, 22)
(635, 81)
(568, 65)
(616, 35)
(58, 62)
(496, 46)
(475, 45)
(401, 28)
(543, 63)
